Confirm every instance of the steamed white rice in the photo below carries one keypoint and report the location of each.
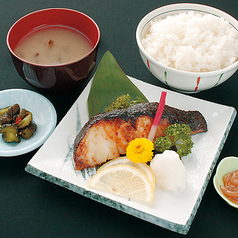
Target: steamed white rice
(192, 42)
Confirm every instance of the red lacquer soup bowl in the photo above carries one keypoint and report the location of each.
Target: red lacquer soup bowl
(60, 78)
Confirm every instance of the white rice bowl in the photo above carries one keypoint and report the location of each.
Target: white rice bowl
(192, 42)
(170, 173)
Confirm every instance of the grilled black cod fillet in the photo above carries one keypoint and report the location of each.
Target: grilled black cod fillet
(106, 135)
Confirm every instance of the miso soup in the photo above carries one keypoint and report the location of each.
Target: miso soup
(53, 46)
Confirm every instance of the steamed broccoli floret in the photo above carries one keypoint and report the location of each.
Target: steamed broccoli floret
(123, 102)
(176, 136)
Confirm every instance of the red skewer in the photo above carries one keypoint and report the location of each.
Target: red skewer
(158, 116)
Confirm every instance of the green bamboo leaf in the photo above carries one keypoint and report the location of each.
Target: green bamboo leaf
(108, 84)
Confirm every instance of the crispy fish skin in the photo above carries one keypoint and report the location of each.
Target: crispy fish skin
(106, 135)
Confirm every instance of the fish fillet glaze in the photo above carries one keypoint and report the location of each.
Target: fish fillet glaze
(106, 135)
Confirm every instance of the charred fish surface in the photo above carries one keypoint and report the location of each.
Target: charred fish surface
(106, 135)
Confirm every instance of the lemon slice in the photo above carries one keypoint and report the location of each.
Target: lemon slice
(141, 166)
(125, 181)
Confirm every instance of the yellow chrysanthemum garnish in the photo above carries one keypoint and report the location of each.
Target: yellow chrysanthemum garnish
(140, 150)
